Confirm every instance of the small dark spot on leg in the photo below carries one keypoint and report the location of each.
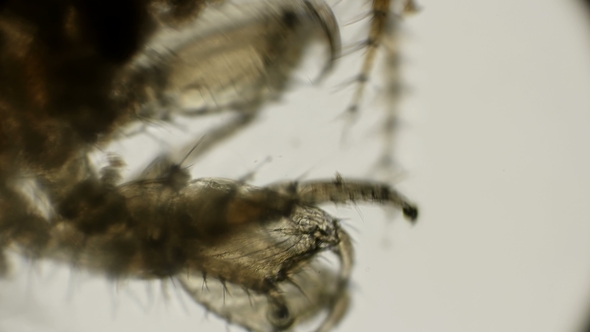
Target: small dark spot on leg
(410, 212)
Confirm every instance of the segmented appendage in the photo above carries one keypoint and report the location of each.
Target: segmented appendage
(382, 24)
(79, 73)
(383, 34)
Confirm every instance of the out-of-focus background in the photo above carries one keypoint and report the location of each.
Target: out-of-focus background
(492, 143)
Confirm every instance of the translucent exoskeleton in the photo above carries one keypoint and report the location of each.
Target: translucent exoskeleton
(77, 75)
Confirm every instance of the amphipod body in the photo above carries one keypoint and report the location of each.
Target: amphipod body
(74, 89)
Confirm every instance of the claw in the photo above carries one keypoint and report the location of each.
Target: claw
(328, 22)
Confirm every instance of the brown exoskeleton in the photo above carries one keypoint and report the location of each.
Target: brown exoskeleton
(75, 74)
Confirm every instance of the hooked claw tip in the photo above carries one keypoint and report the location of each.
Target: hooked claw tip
(329, 25)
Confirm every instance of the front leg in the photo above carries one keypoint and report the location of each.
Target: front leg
(341, 191)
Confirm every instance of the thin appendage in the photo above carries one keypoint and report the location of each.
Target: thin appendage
(172, 167)
(248, 177)
(393, 95)
(340, 191)
(381, 14)
(339, 305)
(218, 135)
(345, 251)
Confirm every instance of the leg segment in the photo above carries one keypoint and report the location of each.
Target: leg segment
(340, 191)
(381, 16)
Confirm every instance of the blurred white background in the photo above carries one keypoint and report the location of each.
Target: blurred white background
(493, 141)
